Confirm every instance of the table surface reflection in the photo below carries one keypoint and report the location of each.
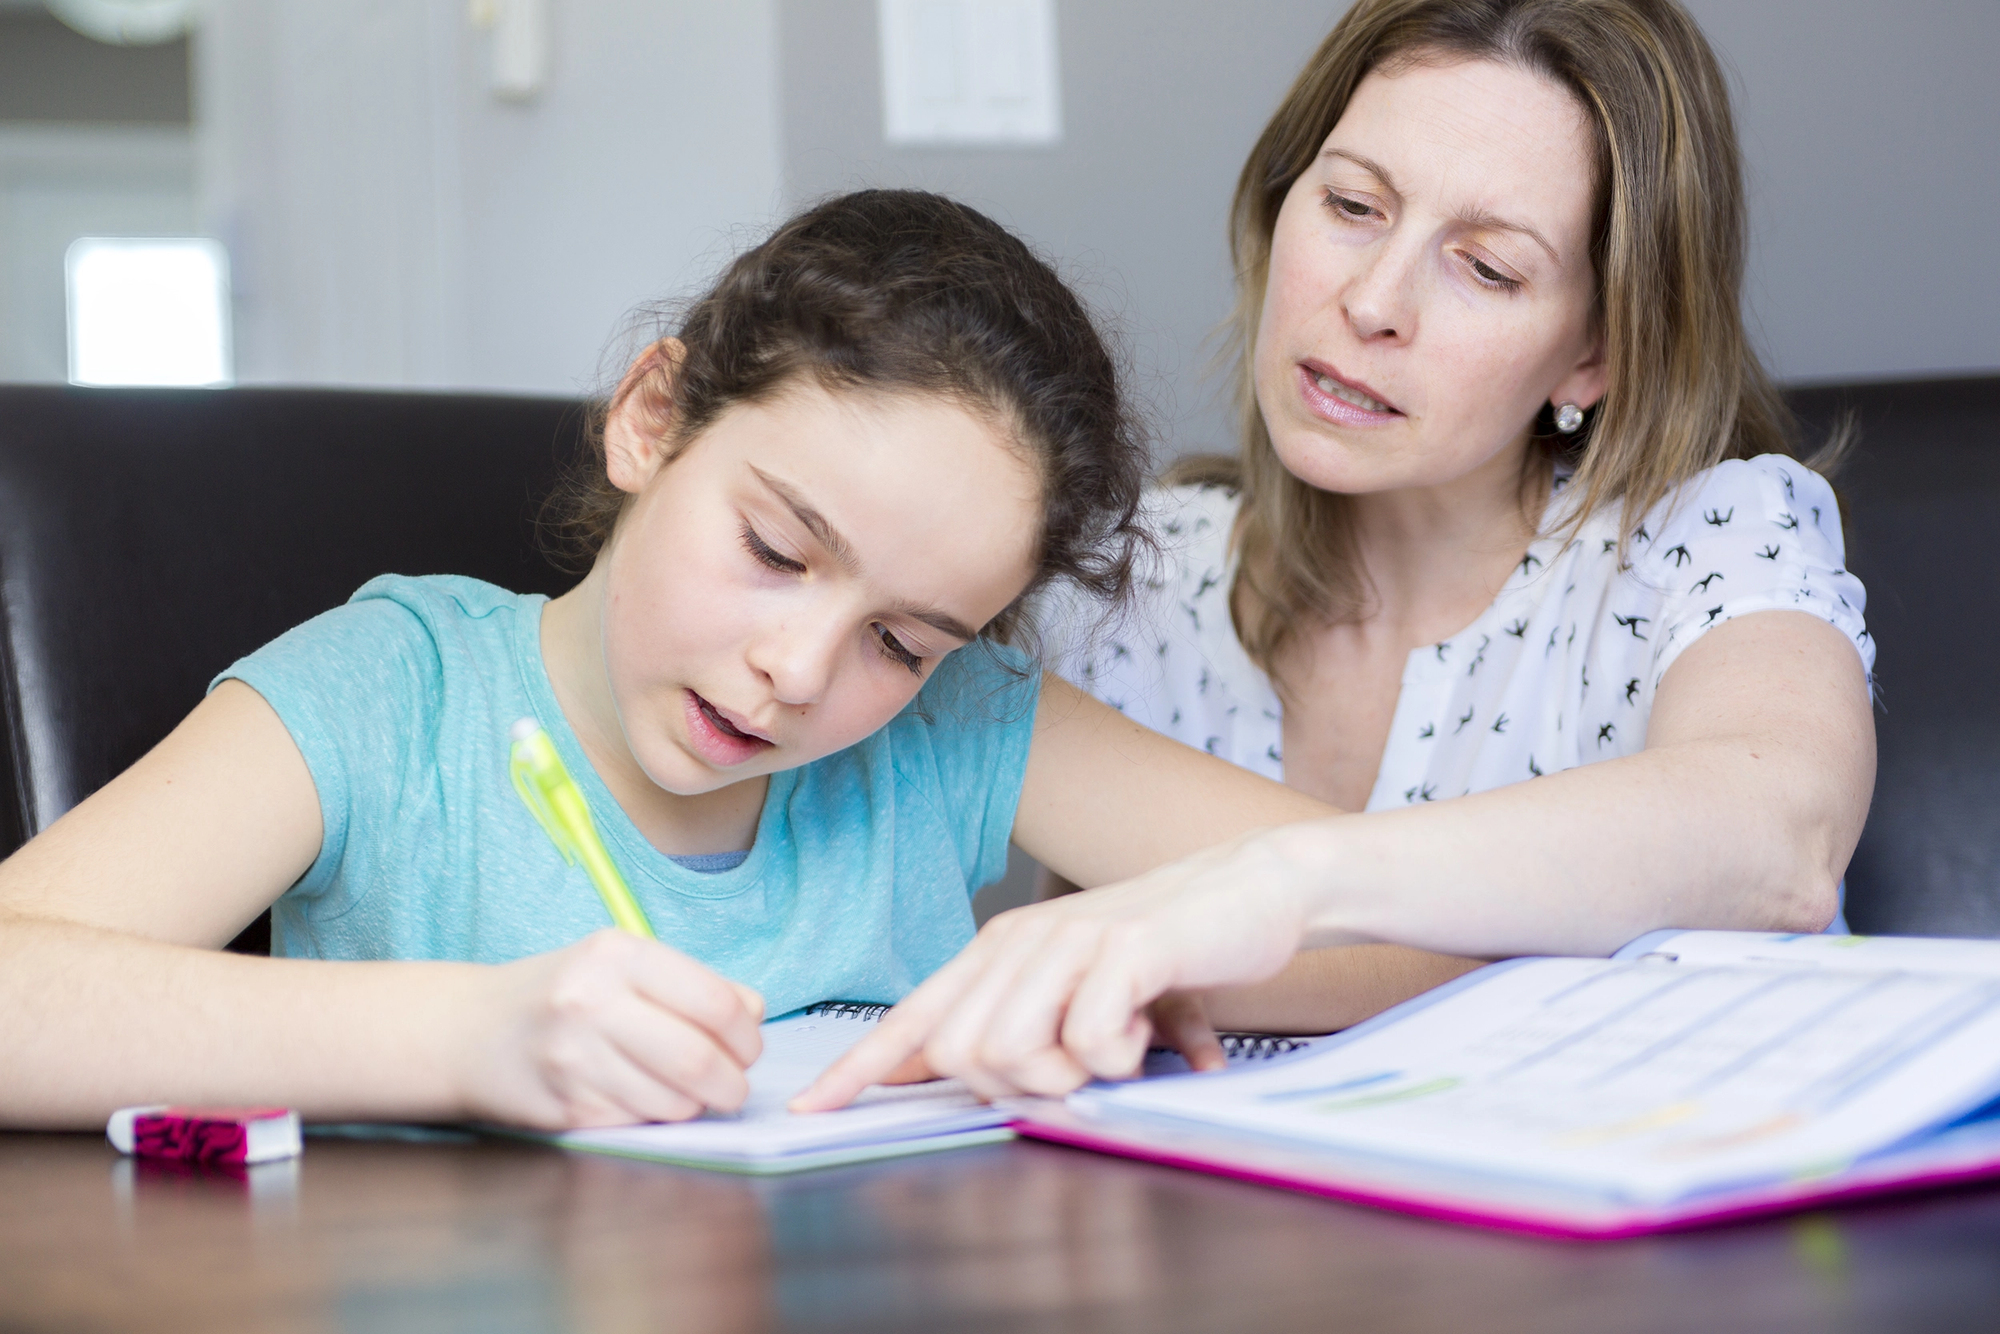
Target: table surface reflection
(495, 1236)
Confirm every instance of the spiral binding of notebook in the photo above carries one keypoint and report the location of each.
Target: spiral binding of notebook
(847, 1009)
(1235, 1046)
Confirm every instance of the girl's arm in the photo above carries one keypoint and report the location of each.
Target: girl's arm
(116, 992)
(1741, 812)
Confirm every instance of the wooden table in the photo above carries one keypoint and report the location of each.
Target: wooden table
(499, 1237)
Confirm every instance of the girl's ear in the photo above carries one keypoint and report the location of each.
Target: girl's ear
(641, 417)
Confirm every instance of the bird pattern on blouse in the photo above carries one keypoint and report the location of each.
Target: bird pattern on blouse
(1561, 670)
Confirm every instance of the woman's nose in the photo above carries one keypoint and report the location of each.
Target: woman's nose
(1378, 299)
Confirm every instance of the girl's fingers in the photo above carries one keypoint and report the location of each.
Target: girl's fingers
(675, 1055)
(606, 1088)
(727, 1011)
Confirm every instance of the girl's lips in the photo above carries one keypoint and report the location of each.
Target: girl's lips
(716, 739)
(1328, 396)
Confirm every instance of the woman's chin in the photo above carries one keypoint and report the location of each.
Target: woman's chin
(1328, 463)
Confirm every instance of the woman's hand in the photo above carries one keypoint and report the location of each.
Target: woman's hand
(610, 1031)
(1052, 995)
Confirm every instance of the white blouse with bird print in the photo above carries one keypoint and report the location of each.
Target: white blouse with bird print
(1559, 671)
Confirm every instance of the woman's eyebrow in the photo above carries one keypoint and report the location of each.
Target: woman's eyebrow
(1480, 218)
(1476, 217)
(837, 546)
(1367, 164)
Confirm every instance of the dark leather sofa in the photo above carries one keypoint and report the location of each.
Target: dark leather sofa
(147, 538)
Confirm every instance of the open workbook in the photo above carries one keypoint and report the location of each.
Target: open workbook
(883, 1122)
(1695, 1076)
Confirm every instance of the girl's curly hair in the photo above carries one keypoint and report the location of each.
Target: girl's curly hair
(905, 291)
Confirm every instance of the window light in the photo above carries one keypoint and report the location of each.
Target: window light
(148, 311)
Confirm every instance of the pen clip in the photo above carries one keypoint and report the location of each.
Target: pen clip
(522, 772)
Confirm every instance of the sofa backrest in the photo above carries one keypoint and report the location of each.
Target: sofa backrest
(148, 538)
(1922, 502)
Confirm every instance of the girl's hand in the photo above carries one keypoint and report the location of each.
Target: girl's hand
(1052, 995)
(611, 1031)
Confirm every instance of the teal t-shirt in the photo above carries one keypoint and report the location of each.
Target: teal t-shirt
(857, 887)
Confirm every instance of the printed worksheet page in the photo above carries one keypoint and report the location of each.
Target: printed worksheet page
(1646, 1079)
(1929, 954)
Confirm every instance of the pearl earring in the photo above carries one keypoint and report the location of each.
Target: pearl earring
(1568, 417)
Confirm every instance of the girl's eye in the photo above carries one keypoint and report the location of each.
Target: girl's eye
(1347, 208)
(1491, 276)
(893, 650)
(769, 555)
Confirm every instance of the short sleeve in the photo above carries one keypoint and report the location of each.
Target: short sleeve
(975, 718)
(1751, 535)
(1135, 659)
(358, 689)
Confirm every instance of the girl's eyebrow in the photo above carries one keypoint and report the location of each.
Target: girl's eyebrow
(837, 546)
(823, 532)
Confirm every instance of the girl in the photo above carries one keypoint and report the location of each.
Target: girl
(1512, 560)
(781, 687)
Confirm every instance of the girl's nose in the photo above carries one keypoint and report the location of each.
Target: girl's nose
(797, 657)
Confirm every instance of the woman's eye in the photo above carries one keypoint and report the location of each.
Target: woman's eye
(769, 555)
(893, 650)
(1491, 276)
(1349, 208)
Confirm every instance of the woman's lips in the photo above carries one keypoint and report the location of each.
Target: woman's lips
(1336, 400)
(716, 739)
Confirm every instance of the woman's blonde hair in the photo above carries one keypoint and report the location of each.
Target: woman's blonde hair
(1685, 388)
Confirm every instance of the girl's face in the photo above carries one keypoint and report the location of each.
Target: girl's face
(1431, 284)
(781, 589)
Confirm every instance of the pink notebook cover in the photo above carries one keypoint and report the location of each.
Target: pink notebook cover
(1949, 1160)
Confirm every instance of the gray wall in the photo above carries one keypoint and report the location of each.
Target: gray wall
(1161, 99)
(1869, 128)
(392, 223)
(1872, 135)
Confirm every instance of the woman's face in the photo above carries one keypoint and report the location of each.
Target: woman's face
(1431, 284)
(782, 587)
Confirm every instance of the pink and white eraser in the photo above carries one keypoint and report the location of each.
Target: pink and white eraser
(235, 1136)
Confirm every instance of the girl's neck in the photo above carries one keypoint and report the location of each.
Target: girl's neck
(724, 820)
(1435, 557)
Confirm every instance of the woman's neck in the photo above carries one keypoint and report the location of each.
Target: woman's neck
(724, 820)
(1435, 557)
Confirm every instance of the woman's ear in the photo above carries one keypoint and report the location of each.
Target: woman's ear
(641, 417)
(1586, 381)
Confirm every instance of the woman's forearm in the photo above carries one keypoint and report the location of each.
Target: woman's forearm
(96, 1020)
(1741, 813)
(1324, 990)
(1700, 835)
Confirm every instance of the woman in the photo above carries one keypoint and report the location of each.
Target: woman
(1513, 562)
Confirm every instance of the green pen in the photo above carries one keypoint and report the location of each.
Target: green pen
(558, 804)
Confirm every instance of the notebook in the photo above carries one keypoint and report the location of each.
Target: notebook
(1694, 1077)
(885, 1121)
